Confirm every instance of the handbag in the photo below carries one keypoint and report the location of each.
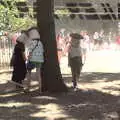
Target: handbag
(29, 64)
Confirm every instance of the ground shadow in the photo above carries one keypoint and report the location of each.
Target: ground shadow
(78, 105)
(91, 76)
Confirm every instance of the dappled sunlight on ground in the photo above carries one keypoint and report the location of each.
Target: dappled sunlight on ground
(109, 87)
(51, 110)
(14, 103)
(112, 87)
(94, 99)
(97, 97)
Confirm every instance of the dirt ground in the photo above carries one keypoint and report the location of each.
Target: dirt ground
(98, 96)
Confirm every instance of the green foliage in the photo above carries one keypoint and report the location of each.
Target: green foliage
(9, 17)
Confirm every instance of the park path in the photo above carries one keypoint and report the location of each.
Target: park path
(98, 96)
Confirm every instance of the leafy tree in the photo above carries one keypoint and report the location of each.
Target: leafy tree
(9, 17)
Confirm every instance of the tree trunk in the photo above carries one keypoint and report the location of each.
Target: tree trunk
(51, 75)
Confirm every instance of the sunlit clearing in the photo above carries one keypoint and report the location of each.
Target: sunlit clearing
(12, 104)
(50, 111)
(113, 115)
(46, 97)
(9, 95)
(111, 87)
(2, 82)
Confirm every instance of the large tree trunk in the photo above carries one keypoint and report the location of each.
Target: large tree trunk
(51, 75)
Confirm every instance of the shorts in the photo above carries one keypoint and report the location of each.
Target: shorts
(37, 64)
(76, 65)
(31, 65)
(84, 50)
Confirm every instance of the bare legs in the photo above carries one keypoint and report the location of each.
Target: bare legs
(29, 79)
(38, 74)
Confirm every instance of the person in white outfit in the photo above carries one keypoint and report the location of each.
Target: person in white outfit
(85, 45)
(35, 56)
(75, 58)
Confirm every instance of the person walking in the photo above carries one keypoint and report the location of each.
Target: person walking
(85, 45)
(75, 58)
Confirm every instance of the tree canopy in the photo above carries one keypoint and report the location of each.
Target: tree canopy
(10, 19)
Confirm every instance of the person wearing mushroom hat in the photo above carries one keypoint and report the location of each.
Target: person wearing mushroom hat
(35, 56)
(75, 57)
(19, 65)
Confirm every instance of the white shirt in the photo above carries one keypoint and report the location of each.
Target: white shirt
(75, 52)
(85, 42)
(37, 51)
(96, 36)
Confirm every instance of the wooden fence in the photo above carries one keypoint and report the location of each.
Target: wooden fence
(6, 49)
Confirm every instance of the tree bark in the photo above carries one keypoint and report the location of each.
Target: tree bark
(52, 80)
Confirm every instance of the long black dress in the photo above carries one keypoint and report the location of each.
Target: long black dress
(19, 66)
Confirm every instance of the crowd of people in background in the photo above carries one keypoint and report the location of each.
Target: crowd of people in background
(98, 40)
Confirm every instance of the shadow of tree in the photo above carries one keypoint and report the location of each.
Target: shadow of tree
(78, 105)
(91, 76)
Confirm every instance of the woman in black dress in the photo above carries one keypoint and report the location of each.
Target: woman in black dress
(19, 66)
